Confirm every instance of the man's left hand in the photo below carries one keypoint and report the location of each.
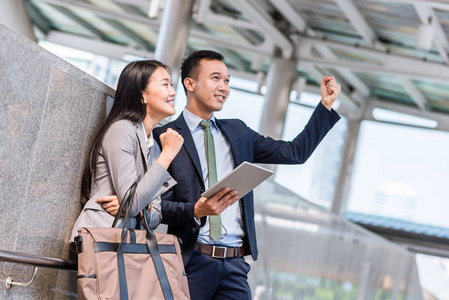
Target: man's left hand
(330, 90)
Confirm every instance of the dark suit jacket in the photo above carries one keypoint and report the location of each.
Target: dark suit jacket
(246, 145)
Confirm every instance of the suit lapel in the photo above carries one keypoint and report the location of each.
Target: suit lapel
(140, 132)
(189, 144)
(231, 137)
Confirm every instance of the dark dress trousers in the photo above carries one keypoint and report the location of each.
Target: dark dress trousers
(246, 145)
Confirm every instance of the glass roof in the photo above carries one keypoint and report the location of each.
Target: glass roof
(381, 27)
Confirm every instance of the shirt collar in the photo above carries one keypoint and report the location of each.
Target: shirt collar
(193, 121)
(148, 140)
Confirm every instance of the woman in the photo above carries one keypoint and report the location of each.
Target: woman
(124, 150)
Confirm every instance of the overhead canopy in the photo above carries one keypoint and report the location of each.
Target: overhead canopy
(385, 53)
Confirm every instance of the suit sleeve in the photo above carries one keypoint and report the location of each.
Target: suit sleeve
(118, 147)
(179, 211)
(267, 150)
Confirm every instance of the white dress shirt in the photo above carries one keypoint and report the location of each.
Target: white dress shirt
(231, 218)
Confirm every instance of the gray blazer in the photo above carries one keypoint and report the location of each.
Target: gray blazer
(121, 160)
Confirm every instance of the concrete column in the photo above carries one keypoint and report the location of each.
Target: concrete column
(344, 173)
(14, 15)
(173, 34)
(364, 292)
(280, 78)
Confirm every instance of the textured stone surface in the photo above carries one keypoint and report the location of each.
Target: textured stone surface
(23, 96)
(49, 112)
(54, 180)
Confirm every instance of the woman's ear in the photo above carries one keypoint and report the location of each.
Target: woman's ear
(144, 101)
(189, 83)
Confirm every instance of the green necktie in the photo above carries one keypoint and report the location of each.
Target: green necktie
(214, 221)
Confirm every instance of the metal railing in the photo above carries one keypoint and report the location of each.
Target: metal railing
(35, 261)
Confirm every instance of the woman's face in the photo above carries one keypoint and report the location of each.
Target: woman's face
(159, 95)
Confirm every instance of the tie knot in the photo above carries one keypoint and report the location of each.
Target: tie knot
(205, 123)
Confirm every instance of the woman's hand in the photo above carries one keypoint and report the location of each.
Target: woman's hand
(110, 204)
(171, 142)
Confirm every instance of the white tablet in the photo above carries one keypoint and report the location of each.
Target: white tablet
(244, 179)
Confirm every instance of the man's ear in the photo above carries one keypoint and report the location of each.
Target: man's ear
(189, 83)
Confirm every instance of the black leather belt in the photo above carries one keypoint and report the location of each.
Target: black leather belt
(218, 251)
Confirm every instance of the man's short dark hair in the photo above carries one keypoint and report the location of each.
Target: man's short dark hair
(191, 63)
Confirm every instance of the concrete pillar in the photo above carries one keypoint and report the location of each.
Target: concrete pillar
(14, 15)
(346, 164)
(173, 34)
(280, 78)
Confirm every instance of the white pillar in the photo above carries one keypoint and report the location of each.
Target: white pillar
(344, 174)
(280, 77)
(173, 34)
(14, 15)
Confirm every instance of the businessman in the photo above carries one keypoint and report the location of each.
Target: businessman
(217, 232)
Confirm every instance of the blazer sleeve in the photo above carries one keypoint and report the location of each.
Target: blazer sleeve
(267, 150)
(178, 203)
(176, 213)
(118, 147)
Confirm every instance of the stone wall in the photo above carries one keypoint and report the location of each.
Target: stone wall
(49, 111)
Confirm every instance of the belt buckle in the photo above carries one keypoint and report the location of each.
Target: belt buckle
(217, 247)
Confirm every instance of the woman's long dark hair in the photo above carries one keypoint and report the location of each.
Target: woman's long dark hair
(127, 105)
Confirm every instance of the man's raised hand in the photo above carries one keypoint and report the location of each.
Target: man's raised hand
(330, 90)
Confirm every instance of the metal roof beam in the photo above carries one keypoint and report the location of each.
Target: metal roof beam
(109, 14)
(99, 47)
(204, 14)
(404, 65)
(434, 4)
(297, 21)
(392, 64)
(126, 31)
(39, 20)
(416, 95)
(222, 19)
(105, 48)
(359, 23)
(139, 3)
(264, 48)
(419, 71)
(368, 34)
(88, 26)
(116, 51)
(427, 15)
(253, 12)
(289, 12)
(226, 43)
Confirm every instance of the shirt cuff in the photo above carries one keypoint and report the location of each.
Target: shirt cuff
(198, 221)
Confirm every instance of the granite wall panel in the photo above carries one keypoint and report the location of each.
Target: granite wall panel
(49, 112)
